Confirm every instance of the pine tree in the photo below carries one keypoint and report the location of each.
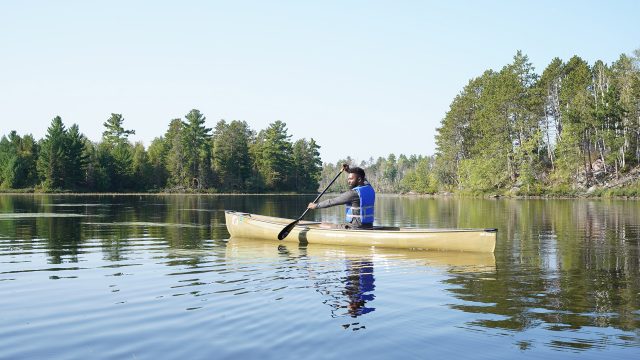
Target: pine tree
(576, 111)
(158, 153)
(176, 158)
(196, 141)
(117, 154)
(307, 166)
(114, 133)
(273, 154)
(18, 157)
(231, 158)
(53, 160)
(142, 169)
(77, 158)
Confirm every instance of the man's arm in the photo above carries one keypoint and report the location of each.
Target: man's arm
(346, 197)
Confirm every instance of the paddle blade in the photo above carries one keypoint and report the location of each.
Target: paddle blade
(287, 229)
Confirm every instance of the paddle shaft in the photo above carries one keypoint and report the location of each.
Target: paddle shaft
(322, 193)
(283, 234)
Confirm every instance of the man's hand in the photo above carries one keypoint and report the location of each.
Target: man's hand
(312, 206)
(345, 167)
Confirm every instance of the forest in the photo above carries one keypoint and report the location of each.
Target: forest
(569, 130)
(189, 157)
(573, 130)
(575, 126)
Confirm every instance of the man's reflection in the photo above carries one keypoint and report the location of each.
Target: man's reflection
(349, 295)
(359, 286)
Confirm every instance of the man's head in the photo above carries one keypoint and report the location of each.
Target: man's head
(356, 177)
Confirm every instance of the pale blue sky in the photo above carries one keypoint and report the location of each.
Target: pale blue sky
(364, 78)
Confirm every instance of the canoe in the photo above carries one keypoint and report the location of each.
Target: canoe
(252, 226)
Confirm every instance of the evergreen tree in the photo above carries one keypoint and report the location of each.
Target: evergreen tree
(18, 156)
(454, 139)
(77, 158)
(103, 177)
(8, 163)
(196, 141)
(53, 160)
(176, 159)
(624, 94)
(231, 158)
(158, 159)
(307, 165)
(142, 168)
(116, 154)
(28, 157)
(273, 156)
(390, 172)
(92, 166)
(576, 110)
(114, 133)
(549, 87)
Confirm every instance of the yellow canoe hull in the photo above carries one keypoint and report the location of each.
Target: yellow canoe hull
(244, 225)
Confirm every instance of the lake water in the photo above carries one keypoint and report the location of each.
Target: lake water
(147, 277)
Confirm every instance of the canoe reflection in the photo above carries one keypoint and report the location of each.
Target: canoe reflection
(453, 261)
(350, 291)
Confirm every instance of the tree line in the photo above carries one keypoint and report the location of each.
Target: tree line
(231, 157)
(574, 125)
(392, 174)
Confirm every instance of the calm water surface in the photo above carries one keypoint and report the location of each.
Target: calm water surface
(147, 277)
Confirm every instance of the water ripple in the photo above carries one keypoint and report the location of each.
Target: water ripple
(139, 284)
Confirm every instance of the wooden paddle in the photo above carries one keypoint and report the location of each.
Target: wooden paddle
(287, 229)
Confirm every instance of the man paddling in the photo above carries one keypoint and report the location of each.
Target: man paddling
(359, 201)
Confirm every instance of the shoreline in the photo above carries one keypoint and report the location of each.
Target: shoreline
(408, 195)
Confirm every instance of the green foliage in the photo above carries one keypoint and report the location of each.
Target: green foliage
(272, 153)
(77, 159)
(114, 133)
(306, 165)
(187, 158)
(104, 169)
(158, 154)
(176, 158)
(513, 128)
(231, 158)
(507, 131)
(18, 156)
(479, 174)
(422, 178)
(142, 168)
(196, 147)
(53, 161)
(455, 138)
(632, 191)
(388, 175)
(115, 157)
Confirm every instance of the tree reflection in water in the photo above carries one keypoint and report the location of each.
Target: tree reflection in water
(566, 273)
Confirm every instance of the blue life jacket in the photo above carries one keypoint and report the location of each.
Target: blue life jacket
(365, 211)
